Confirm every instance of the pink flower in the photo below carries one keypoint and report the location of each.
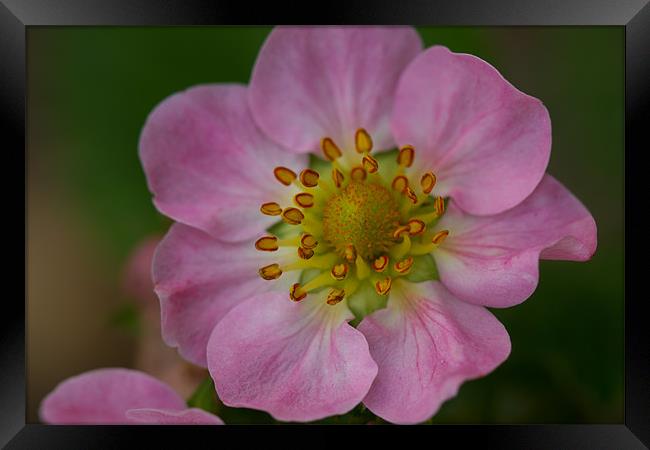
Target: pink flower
(467, 189)
(119, 396)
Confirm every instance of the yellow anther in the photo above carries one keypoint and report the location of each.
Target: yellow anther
(270, 272)
(400, 231)
(304, 200)
(296, 293)
(370, 164)
(404, 265)
(271, 209)
(439, 206)
(439, 237)
(408, 192)
(383, 286)
(338, 178)
(340, 271)
(358, 174)
(305, 253)
(350, 253)
(335, 296)
(428, 181)
(362, 141)
(405, 156)
(309, 178)
(380, 264)
(416, 227)
(400, 182)
(292, 216)
(267, 243)
(330, 149)
(308, 241)
(284, 175)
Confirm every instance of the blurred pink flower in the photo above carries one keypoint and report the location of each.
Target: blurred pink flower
(153, 356)
(119, 396)
(355, 244)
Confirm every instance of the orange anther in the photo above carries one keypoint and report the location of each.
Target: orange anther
(404, 265)
(410, 194)
(400, 182)
(284, 175)
(292, 216)
(400, 231)
(304, 200)
(439, 206)
(335, 296)
(267, 243)
(270, 272)
(428, 181)
(309, 178)
(370, 164)
(338, 178)
(358, 174)
(379, 264)
(308, 241)
(271, 209)
(296, 293)
(350, 253)
(405, 156)
(383, 286)
(416, 227)
(439, 237)
(305, 253)
(362, 141)
(330, 149)
(340, 271)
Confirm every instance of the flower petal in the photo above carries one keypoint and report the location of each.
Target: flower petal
(191, 416)
(426, 344)
(103, 396)
(298, 361)
(209, 166)
(488, 143)
(493, 260)
(315, 82)
(199, 279)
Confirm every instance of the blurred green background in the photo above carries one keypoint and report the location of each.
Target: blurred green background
(90, 90)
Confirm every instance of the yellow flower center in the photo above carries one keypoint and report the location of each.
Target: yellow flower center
(365, 225)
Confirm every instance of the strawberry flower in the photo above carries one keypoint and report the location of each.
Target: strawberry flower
(270, 260)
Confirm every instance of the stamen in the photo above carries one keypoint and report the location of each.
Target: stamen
(439, 206)
(305, 253)
(405, 156)
(309, 178)
(362, 268)
(340, 271)
(362, 141)
(404, 266)
(401, 231)
(439, 237)
(330, 149)
(416, 227)
(400, 182)
(335, 296)
(308, 241)
(296, 293)
(428, 181)
(380, 264)
(267, 244)
(338, 178)
(350, 253)
(383, 286)
(270, 272)
(304, 200)
(410, 194)
(284, 175)
(292, 216)
(370, 164)
(358, 174)
(271, 209)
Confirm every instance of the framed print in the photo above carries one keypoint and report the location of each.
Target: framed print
(420, 216)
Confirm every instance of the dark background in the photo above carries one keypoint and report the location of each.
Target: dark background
(89, 92)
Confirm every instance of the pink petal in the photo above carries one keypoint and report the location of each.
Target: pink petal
(488, 143)
(493, 260)
(313, 82)
(426, 344)
(209, 166)
(103, 396)
(191, 416)
(198, 280)
(298, 361)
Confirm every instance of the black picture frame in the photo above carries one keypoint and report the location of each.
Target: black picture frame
(633, 15)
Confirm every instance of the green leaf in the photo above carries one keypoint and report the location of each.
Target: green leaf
(365, 301)
(282, 230)
(204, 397)
(424, 269)
(126, 318)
